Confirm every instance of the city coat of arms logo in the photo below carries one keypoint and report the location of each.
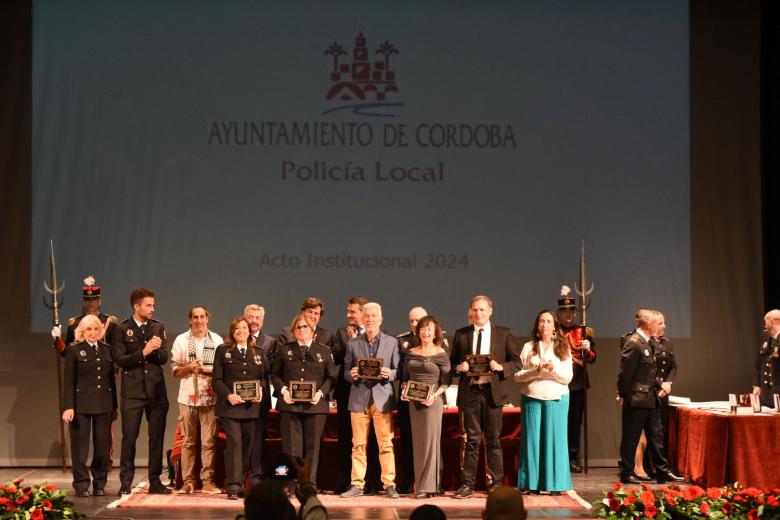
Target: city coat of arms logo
(364, 86)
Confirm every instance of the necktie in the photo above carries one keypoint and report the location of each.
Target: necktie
(305, 350)
(143, 330)
(478, 349)
(95, 348)
(242, 350)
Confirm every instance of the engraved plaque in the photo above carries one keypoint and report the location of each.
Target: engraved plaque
(369, 368)
(302, 391)
(247, 390)
(417, 391)
(479, 364)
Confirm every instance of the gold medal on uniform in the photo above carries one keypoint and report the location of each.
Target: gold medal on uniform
(129, 333)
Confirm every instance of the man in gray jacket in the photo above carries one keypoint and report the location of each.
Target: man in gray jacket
(372, 399)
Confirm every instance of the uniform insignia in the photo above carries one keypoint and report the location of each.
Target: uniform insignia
(289, 353)
(445, 342)
(647, 352)
(406, 344)
(129, 333)
(164, 336)
(227, 355)
(71, 321)
(765, 344)
(83, 353)
(319, 357)
(258, 360)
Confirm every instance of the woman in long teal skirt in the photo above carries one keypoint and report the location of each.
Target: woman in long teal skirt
(544, 381)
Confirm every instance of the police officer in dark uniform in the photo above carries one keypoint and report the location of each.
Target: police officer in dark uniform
(638, 389)
(89, 399)
(766, 375)
(91, 305)
(583, 352)
(138, 350)
(238, 360)
(666, 371)
(302, 422)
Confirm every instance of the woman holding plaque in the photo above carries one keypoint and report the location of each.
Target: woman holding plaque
(302, 374)
(240, 379)
(89, 399)
(544, 384)
(425, 377)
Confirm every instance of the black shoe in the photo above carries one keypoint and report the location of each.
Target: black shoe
(99, 493)
(157, 488)
(555, 493)
(464, 491)
(491, 487)
(123, 491)
(82, 492)
(574, 467)
(391, 492)
(663, 478)
(232, 495)
(629, 478)
(642, 479)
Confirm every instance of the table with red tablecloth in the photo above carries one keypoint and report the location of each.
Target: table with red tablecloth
(714, 449)
(451, 445)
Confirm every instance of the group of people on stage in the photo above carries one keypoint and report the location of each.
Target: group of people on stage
(307, 367)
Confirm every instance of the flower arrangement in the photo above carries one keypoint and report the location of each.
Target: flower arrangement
(691, 502)
(37, 502)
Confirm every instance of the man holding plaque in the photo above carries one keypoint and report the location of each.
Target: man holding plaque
(370, 366)
(138, 350)
(192, 359)
(480, 354)
(302, 375)
(255, 316)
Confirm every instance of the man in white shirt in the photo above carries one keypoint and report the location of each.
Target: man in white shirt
(192, 359)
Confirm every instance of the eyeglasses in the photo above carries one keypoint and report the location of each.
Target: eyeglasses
(302, 327)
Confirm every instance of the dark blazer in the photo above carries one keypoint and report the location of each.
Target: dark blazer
(142, 377)
(265, 342)
(230, 366)
(637, 383)
(291, 365)
(503, 348)
(665, 362)
(321, 336)
(89, 385)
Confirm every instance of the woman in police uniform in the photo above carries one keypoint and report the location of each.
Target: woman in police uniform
(238, 360)
(302, 422)
(89, 398)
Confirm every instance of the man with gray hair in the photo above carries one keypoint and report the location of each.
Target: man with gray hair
(372, 399)
(766, 376)
(638, 389)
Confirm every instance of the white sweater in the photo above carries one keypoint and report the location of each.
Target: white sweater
(542, 384)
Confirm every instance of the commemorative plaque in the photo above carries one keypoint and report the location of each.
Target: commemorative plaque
(247, 390)
(302, 391)
(417, 391)
(369, 367)
(479, 364)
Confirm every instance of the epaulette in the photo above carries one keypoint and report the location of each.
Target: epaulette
(71, 321)
(404, 334)
(589, 331)
(154, 320)
(635, 337)
(126, 320)
(113, 319)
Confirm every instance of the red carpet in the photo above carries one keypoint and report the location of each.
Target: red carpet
(140, 498)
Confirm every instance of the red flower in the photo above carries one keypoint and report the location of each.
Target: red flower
(4, 502)
(727, 507)
(651, 511)
(771, 500)
(50, 488)
(47, 505)
(18, 481)
(704, 508)
(645, 486)
(614, 505)
(629, 500)
(610, 495)
(617, 486)
(751, 492)
(693, 492)
(37, 515)
(670, 500)
(11, 490)
(714, 493)
(648, 498)
(752, 514)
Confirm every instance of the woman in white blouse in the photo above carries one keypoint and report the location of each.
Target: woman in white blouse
(544, 380)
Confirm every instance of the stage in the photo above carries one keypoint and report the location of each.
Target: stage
(588, 487)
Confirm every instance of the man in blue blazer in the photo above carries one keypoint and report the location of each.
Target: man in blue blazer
(372, 400)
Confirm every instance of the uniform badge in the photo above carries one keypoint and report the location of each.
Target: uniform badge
(258, 360)
(227, 355)
(647, 352)
(129, 333)
(289, 353)
(765, 344)
(84, 353)
(319, 358)
(406, 344)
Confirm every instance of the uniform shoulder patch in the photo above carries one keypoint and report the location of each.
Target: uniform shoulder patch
(71, 321)
(404, 334)
(113, 319)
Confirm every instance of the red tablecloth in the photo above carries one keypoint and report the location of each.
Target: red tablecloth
(451, 444)
(713, 449)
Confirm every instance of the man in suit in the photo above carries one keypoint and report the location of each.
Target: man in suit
(481, 399)
(314, 309)
(766, 375)
(639, 392)
(353, 328)
(139, 353)
(255, 316)
(372, 400)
